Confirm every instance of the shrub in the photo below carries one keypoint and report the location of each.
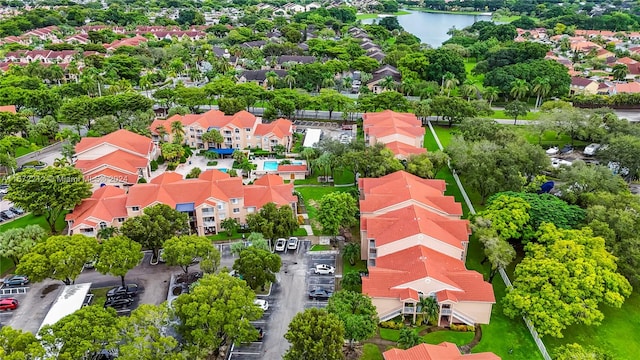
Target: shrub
(172, 166)
(233, 173)
(463, 328)
(183, 160)
(212, 163)
(142, 181)
(154, 165)
(160, 160)
(300, 219)
(391, 325)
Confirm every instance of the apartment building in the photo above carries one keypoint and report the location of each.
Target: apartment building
(402, 133)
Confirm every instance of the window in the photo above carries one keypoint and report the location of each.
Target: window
(248, 136)
(247, 129)
(220, 206)
(251, 210)
(234, 201)
(237, 131)
(135, 208)
(120, 219)
(103, 225)
(236, 210)
(237, 137)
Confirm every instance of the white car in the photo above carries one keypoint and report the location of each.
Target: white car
(292, 244)
(324, 269)
(281, 244)
(591, 149)
(557, 163)
(263, 304)
(552, 150)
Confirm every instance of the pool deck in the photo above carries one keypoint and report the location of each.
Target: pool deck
(260, 164)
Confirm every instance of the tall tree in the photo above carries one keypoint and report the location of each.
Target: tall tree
(15, 243)
(49, 191)
(357, 313)
(118, 255)
(213, 136)
(351, 252)
(624, 150)
(516, 109)
(337, 210)
(157, 224)
(217, 311)
(182, 250)
(19, 345)
(146, 334)
(257, 266)
(315, 334)
(420, 165)
(563, 279)
(273, 221)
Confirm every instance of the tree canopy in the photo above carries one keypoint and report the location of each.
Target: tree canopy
(118, 255)
(15, 243)
(257, 266)
(182, 250)
(357, 313)
(337, 210)
(273, 221)
(315, 334)
(155, 225)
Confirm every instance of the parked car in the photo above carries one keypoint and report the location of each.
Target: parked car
(292, 244)
(264, 304)
(17, 210)
(130, 290)
(320, 294)
(567, 149)
(556, 163)
(324, 269)
(89, 264)
(8, 304)
(119, 303)
(591, 149)
(281, 244)
(8, 214)
(4, 188)
(160, 254)
(552, 150)
(16, 280)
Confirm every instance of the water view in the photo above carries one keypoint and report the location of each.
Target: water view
(432, 28)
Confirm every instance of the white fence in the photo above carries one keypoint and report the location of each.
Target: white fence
(503, 274)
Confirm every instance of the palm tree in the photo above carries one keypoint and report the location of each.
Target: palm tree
(290, 79)
(449, 81)
(422, 109)
(328, 82)
(107, 232)
(408, 338)
(145, 83)
(541, 88)
(490, 94)
(347, 82)
(351, 252)
(61, 162)
(271, 78)
(213, 136)
(519, 89)
(162, 132)
(409, 86)
(388, 83)
(351, 281)
(468, 90)
(429, 307)
(178, 132)
(56, 73)
(620, 72)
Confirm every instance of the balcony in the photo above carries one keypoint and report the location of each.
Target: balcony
(208, 211)
(373, 254)
(408, 310)
(446, 312)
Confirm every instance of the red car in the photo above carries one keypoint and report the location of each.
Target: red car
(8, 304)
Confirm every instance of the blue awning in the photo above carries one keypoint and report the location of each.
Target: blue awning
(223, 151)
(186, 207)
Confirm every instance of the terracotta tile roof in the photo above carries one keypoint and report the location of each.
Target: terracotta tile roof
(632, 87)
(400, 187)
(292, 168)
(280, 128)
(132, 41)
(106, 204)
(390, 122)
(443, 351)
(414, 220)
(404, 150)
(8, 108)
(114, 174)
(118, 159)
(171, 191)
(123, 139)
(626, 60)
(393, 272)
(158, 123)
(269, 188)
(211, 119)
(580, 81)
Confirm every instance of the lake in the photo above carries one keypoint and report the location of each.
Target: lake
(431, 28)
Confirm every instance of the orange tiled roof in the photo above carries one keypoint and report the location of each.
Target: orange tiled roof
(413, 220)
(443, 351)
(402, 149)
(117, 159)
(392, 273)
(123, 139)
(389, 122)
(8, 108)
(115, 174)
(632, 87)
(280, 128)
(171, 191)
(292, 168)
(106, 204)
(211, 119)
(401, 186)
(269, 188)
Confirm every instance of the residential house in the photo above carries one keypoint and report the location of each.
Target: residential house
(258, 76)
(48, 33)
(132, 41)
(380, 75)
(292, 8)
(254, 44)
(312, 6)
(208, 200)
(239, 131)
(8, 108)
(402, 133)
(283, 60)
(415, 245)
(624, 87)
(77, 39)
(580, 85)
(120, 158)
(442, 351)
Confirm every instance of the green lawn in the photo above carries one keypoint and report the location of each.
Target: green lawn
(499, 114)
(360, 266)
(366, 16)
(318, 247)
(342, 177)
(31, 219)
(311, 195)
(478, 80)
(614, 335)
(549, 138)
(371, 352)
(457, 337)
(5, 265)
(223, 236)
(389, 334)
(99, 296)
(25, 150)
(505, 19)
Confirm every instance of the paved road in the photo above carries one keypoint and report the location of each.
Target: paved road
(46, 155)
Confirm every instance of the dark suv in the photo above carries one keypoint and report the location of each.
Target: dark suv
(128, 291)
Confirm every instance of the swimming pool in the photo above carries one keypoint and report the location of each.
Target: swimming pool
(223, 170)
(270, 165)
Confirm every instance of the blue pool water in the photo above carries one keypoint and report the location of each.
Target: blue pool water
(271, 165)
(296, 163)
(224, 170)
